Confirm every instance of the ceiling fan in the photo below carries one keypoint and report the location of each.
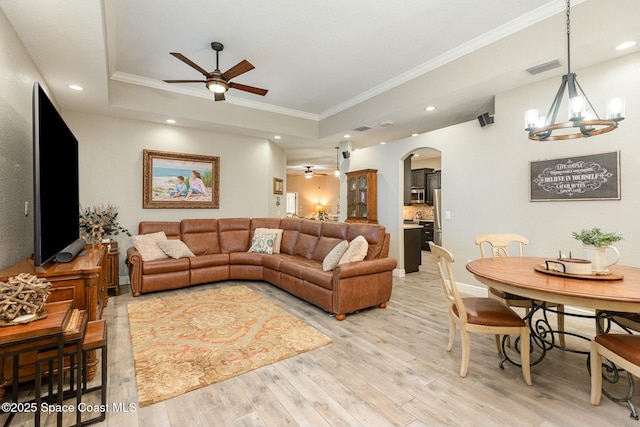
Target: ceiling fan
(218, 82)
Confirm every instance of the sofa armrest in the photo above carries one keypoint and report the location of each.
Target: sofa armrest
(362, 268)
(134, 260)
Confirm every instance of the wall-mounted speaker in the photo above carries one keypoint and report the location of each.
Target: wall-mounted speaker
(485, 119)
(346, 154)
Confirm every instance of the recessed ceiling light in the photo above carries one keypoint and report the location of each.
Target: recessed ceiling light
(76, 87)
(430, 108)
(346, 136)
(171, 121)
(414, 134)
(416, 155)
(383, 142)
(626, 45)
(277, 137)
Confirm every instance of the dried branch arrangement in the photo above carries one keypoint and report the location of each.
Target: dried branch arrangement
(22, 294)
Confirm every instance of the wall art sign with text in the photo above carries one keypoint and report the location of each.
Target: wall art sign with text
(179, 180)
(590, 177)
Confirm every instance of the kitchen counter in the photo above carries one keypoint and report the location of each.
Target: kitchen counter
(412, 226)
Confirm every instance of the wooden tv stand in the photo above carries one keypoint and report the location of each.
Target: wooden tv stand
(83, 280)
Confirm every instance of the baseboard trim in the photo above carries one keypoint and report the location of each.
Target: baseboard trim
(399, 272)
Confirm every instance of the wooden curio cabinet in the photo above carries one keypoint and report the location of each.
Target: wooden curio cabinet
(362, 196)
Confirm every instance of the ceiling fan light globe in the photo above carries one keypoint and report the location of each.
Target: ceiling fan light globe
(217, 87)
(308, 175)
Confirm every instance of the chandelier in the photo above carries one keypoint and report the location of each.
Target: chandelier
(582, 122)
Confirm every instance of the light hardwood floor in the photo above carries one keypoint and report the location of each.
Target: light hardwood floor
(385, 367)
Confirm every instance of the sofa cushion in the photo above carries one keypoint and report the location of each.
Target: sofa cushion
(246, 258)
(201, 235)
(305, 245)
(333, 258)
(169, 265)
(338, 230)
(175, 248)
(291, 230)
(357, 251)
(277, 243)
(171, 229)
(147, 245)
(308, 270)
(211, 260)
(374, 234)
(263, 243)
(324, 246)
(234, 234)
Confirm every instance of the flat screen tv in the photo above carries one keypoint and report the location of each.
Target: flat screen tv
(55, 172)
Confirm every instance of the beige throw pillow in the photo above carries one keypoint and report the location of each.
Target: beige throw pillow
(357, 251)
(333, 258)
(147, 245)
(277, 232)
(175, 249)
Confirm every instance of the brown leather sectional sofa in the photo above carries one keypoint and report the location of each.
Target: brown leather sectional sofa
(221, 248)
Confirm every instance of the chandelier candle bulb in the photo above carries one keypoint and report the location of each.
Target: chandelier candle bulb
(531, 118)
(616, 109)
(577, 106)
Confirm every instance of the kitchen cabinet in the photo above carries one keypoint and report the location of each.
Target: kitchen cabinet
(412, 248)
(428, 234)
(418, 178)
(362, 196)
(432, 183)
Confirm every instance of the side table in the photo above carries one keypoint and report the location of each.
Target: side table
(113, 270)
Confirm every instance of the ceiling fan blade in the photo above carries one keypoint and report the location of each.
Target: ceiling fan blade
(218, 96)
(240, 68)
(184, 81)
(189, 62)
(250, 89)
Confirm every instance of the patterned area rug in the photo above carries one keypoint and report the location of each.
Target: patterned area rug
(184, 342)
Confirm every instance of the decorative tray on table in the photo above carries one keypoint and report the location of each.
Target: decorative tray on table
(610, 275)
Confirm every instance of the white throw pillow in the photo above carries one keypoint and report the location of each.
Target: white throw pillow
(147, 245)
(175, 249)
(333, 258)
(263, 243)
(357, 251)
(277, 232)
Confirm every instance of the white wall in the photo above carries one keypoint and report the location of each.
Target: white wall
(16, 152)
(110, 152)
(485, 173)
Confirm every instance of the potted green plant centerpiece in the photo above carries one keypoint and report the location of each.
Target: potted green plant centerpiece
(595, 243)
(97, 222)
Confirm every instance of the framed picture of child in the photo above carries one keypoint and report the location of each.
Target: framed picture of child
(180, 181)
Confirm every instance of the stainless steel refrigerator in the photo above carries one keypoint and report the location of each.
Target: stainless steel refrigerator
(437, 217)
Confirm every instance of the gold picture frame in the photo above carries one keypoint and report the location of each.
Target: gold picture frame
(180, 181)
(278, 186)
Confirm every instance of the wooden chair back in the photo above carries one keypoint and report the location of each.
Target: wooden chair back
(499, 244)
(444, 259)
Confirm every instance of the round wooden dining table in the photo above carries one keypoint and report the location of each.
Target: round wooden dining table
(517, 275)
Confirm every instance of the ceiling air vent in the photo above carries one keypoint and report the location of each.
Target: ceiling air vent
(362, 128)
(544, 67)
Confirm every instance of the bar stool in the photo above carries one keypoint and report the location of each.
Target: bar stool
(95, 338)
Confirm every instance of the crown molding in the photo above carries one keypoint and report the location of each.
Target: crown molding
(158, 84)
(522, 22)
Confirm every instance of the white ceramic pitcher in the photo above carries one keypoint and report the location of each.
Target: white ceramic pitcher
(599, 258)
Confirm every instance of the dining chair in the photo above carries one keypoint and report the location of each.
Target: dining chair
(499, 247)
(621, 349)
(478, 315)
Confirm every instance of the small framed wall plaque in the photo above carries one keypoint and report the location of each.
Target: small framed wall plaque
(278, 186)
(589, 177)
